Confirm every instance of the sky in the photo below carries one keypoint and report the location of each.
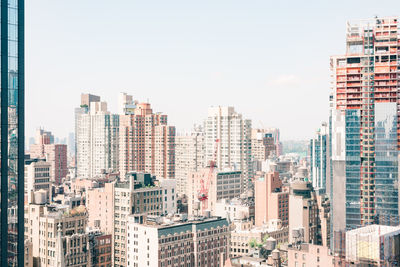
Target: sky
(268, 59)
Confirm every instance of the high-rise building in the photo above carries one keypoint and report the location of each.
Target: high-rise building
(189, 157)
(126, 104)
(55, 154)
(138, 195)
(96, 139)
(303, 213)
(84, 108)
(320, 159)
(273, 133)
(44, 137)
(87, 99)
(12, 133)
(263, 146)
(365, 126)
(146, 143)
(234, 135)
(271, 201)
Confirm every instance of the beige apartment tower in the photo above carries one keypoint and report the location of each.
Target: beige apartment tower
(189, 157)
(146, 143)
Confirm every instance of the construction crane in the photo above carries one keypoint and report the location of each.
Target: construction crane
(204, 185)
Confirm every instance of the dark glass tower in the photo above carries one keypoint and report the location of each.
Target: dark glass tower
(12, 133)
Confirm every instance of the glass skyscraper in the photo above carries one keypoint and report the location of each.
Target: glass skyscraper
(365, 125)
(12, 133)
(319, 159)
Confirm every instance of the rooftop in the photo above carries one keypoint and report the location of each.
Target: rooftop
(167, 226)
(374, 229)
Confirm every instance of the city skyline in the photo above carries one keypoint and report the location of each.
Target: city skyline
(214, 133)
(262, 52)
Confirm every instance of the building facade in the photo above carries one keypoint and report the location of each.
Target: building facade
(263, 144)
(100, 249)
(37, 177)
(57, 234)
(310, 255)
(320, 159)
(146, 143)
(96, 139)
(271, 201)
(100, 206)
(12, 129)
(128, 199)
(373, 245)
(245, 236)
(203, 242)
(364, 120)
(189, 157)
(56, 154)
(234, 146)
(222, 185)
(235, 209)
(303, 213)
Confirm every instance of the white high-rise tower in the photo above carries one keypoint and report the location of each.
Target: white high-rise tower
(234, 134)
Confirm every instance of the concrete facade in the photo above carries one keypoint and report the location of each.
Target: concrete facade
(189, 157)
(271, 202)
(222, 185)
(202, 242)
(234, 135)
(146, 143)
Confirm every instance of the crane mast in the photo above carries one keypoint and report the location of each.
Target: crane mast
(205, 185)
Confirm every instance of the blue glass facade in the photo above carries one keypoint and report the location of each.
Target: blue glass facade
(353, 163)
(386, 162)
(383, 169)
(12, 133)
(319, 160)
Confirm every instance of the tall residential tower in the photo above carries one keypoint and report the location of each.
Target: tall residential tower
(365, 109)
(146, 142)
(189, 157)
(234, 135)
(96, 139)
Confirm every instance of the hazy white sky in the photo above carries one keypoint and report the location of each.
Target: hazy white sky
(269, 59)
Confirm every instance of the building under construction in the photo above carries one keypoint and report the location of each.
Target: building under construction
(373, 245)
(365, 126)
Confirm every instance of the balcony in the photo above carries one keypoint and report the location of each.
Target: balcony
(353, 71)
(354, 84)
